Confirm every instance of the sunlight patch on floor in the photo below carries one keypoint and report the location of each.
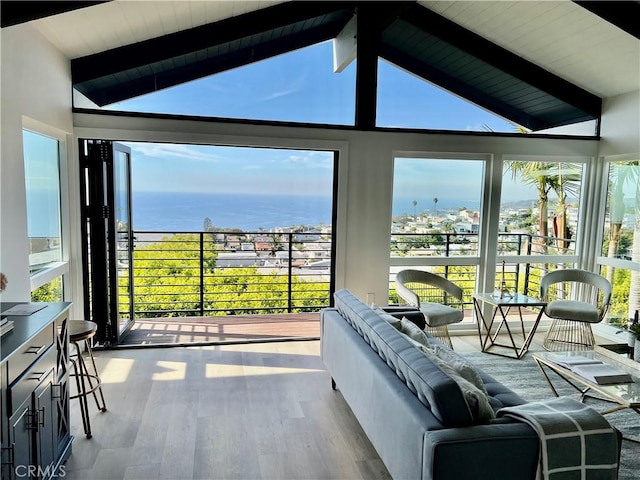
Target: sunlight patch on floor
(116, 370)
(213, 370)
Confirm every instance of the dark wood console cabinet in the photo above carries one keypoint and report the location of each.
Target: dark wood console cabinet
(34, 398)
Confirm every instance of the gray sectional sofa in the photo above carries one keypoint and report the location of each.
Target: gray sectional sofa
(416, 416)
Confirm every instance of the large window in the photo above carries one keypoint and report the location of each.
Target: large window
(621, 238)
(45, 215)
(304, 86)
(539, 222)
(437, 218)
(221, 230)
(407, 101)
(440, 224)
(298, 86)
(539, 206)
(42, 182)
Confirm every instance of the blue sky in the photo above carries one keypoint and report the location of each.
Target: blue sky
(197, 168)
(301, 87)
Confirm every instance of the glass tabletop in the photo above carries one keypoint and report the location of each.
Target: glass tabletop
(512, 299)
(627, 392)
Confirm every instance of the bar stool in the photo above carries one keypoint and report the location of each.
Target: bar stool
(86, 382)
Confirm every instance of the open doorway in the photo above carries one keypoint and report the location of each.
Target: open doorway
(208, 243)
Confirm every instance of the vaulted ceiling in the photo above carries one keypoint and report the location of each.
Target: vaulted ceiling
(539, 64)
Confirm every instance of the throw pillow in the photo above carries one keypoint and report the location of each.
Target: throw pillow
(477, 401)
(414, 332)
(460, 365)
(395, 322)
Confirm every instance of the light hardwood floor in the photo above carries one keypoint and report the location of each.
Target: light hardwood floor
(258, 411)
(255, 411)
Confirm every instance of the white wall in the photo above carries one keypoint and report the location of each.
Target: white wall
(35, 88)
(620, 127)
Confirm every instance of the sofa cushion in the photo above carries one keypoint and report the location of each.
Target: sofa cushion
(465, 369)
(393, 321)
(434, 388)
(476, 399)
(414, 332)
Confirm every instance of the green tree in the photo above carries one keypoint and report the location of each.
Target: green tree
(567, 182)
(50, 292)
(622, 175)
(167, 283)
(545, 177)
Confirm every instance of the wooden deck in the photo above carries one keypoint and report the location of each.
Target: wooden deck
(233, 328)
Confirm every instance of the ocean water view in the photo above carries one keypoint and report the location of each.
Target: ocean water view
(186, 211)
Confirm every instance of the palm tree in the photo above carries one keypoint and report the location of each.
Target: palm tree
(567, 182)
(415, 202)
(622, 175)
(548, 176)
(435, 205)
(534, 173)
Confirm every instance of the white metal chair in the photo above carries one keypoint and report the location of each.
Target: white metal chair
(572, 318)
(439, 300)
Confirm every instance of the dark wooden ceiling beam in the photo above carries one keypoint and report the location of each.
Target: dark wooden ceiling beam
(368, 45)
(503, 59)
(463, 89)
(16, 12)
(187, 41)
(164, 78)
(372, 19)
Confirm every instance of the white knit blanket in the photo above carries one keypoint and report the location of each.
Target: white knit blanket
(576, 442)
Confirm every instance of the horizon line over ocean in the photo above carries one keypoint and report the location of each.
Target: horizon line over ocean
(186, 211)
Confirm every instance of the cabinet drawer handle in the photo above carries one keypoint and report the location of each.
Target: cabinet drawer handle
(36, 376)
(35, 349)
(40, 416)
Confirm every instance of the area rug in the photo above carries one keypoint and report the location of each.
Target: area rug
(524, 378)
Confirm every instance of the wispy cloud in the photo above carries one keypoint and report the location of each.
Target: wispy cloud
(174, 151)
(312, 158)
(280, 94)
(289, 87)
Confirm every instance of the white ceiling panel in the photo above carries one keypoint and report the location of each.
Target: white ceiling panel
(121, 22)
(559, 36)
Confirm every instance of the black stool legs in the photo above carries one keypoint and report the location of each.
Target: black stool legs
(87, 382)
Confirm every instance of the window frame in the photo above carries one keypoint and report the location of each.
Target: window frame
(475, 260)
(487, 259)
(601, 261)
(58, 268)
(584, 200)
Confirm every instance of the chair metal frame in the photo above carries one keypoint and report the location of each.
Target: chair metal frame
(411, 284)
(573, 333)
